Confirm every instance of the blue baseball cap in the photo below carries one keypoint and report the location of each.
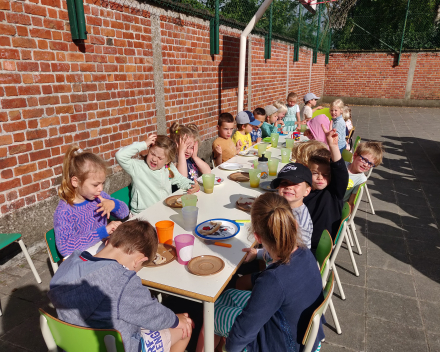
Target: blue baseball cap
(243, 117)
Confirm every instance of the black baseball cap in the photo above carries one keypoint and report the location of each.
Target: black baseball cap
(293, 172)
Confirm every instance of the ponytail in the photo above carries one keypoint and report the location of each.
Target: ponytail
(178, 131)
(78, 163)
(273, 221)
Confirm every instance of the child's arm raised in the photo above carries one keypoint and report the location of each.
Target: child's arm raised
(317, 108)
(332, 141)
(124, 155)
(201, 165)
(181, 159)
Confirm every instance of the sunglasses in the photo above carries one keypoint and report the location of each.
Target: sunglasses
(366, 161)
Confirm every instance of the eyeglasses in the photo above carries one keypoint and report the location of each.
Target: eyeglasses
(366, 161)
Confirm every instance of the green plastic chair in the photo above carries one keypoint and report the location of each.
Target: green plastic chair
(340, 238)
(325, 111)
(73, 338)
(313, 327)
(323, 253)
(124, 195)
(351, 228)
(54, 256)
(8, 238)
(356, 142)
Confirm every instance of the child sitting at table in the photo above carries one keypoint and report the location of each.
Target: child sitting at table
(104, 292)
(282, 110)
(302, 151)
(308, 109)
(223, 147)
(81, 217)
(367, 155)
(330, 181)
(244, 129)
(338, 122)
(152, 178)
(270, 125)
(275, 314)
(256, 134)
(187, 140)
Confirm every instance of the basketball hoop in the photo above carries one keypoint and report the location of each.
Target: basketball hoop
(337, 10)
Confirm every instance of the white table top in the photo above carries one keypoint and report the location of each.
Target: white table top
(175, 277)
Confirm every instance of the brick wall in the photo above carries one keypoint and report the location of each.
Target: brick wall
(100, 93)
(375, 75)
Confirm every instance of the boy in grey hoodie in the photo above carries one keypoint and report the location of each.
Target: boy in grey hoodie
(104, 292)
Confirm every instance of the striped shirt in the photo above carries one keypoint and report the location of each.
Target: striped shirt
(305, 224)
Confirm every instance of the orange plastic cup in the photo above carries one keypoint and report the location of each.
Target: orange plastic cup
(165, 230)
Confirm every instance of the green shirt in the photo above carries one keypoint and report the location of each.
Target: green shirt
(267, 129)
(148, 186)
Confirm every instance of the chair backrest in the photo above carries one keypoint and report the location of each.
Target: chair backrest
(323, 252)
(344, 217)
(358, 139)
(73, 338)
(357, 200)
(370, 172)
(124, 195)
(350, 133)
(52, 247)
(313, 327)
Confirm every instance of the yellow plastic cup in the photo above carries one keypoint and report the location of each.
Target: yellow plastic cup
(274, 139)
(273, 167)
(165, 230)
(208, 183)
(285, 155)
(189, 200)
(262, 149)
(289, 143)
(254, 177)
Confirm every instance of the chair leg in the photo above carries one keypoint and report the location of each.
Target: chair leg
(352, 226)
(29, 260)
(47, 335)
(350, 239)
(369, 199)
(54, 265)
(338, 281)
(350, 251)
(335, 317)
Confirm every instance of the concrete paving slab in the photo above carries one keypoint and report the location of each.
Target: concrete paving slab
(390, 281)
(389, 260)
(427, 234)
(352, 326)
(431, 316)
(428, 289)
(433, 342)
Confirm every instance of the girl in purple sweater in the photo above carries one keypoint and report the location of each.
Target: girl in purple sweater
(80, 219)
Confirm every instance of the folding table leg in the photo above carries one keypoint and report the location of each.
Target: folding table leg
(208, 319)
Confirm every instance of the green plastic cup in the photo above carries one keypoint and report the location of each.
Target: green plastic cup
(189, 200)
(254, 177)
(303, 128)
(274, 139)
(268, 154)
(255, 164)
(262, 148)
(273, 167)
(208, 182)
(285, 155)
(289, 143)
(347, 155)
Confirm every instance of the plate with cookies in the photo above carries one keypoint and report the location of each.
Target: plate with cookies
(165, 254)
(217, 229)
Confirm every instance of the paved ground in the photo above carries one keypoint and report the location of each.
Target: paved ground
(394, 305)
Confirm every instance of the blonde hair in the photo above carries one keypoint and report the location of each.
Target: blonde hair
(78, 163)
(178, 131)
(346, 113)
(339, 103)
(280, 106)
(168, 145)
(301, 151)
(373, 148)
(273, 221)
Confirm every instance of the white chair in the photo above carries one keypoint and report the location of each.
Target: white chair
(350, 225)
(368, 193)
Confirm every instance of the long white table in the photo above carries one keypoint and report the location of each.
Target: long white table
(174, 278)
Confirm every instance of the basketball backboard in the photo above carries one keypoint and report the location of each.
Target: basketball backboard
(310, 5)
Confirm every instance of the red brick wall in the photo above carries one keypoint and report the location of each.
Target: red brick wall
(100, 93)
(374, 75)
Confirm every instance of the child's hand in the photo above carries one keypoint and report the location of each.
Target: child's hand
(331, 135)
(183, 144)
(218, 149)
(194, 188)
(196, 149)
(151, 139)
(251, 254)
(112, 226)
(238, 145)
(106, 206)
(318, 108)
(258, 140)
(186, 324)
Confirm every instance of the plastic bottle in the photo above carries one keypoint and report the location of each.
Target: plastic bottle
(262, 165)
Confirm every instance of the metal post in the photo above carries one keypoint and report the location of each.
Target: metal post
(72, 19)
(327, 55)
(298, 42)
(82, 30)
(403, 33)
(214, 31)
(268, 47)
(315, 52)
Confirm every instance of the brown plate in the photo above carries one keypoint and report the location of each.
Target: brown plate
(205, 265)
(239, 176)
(172, 201)
(166, 250)
(246, 208)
